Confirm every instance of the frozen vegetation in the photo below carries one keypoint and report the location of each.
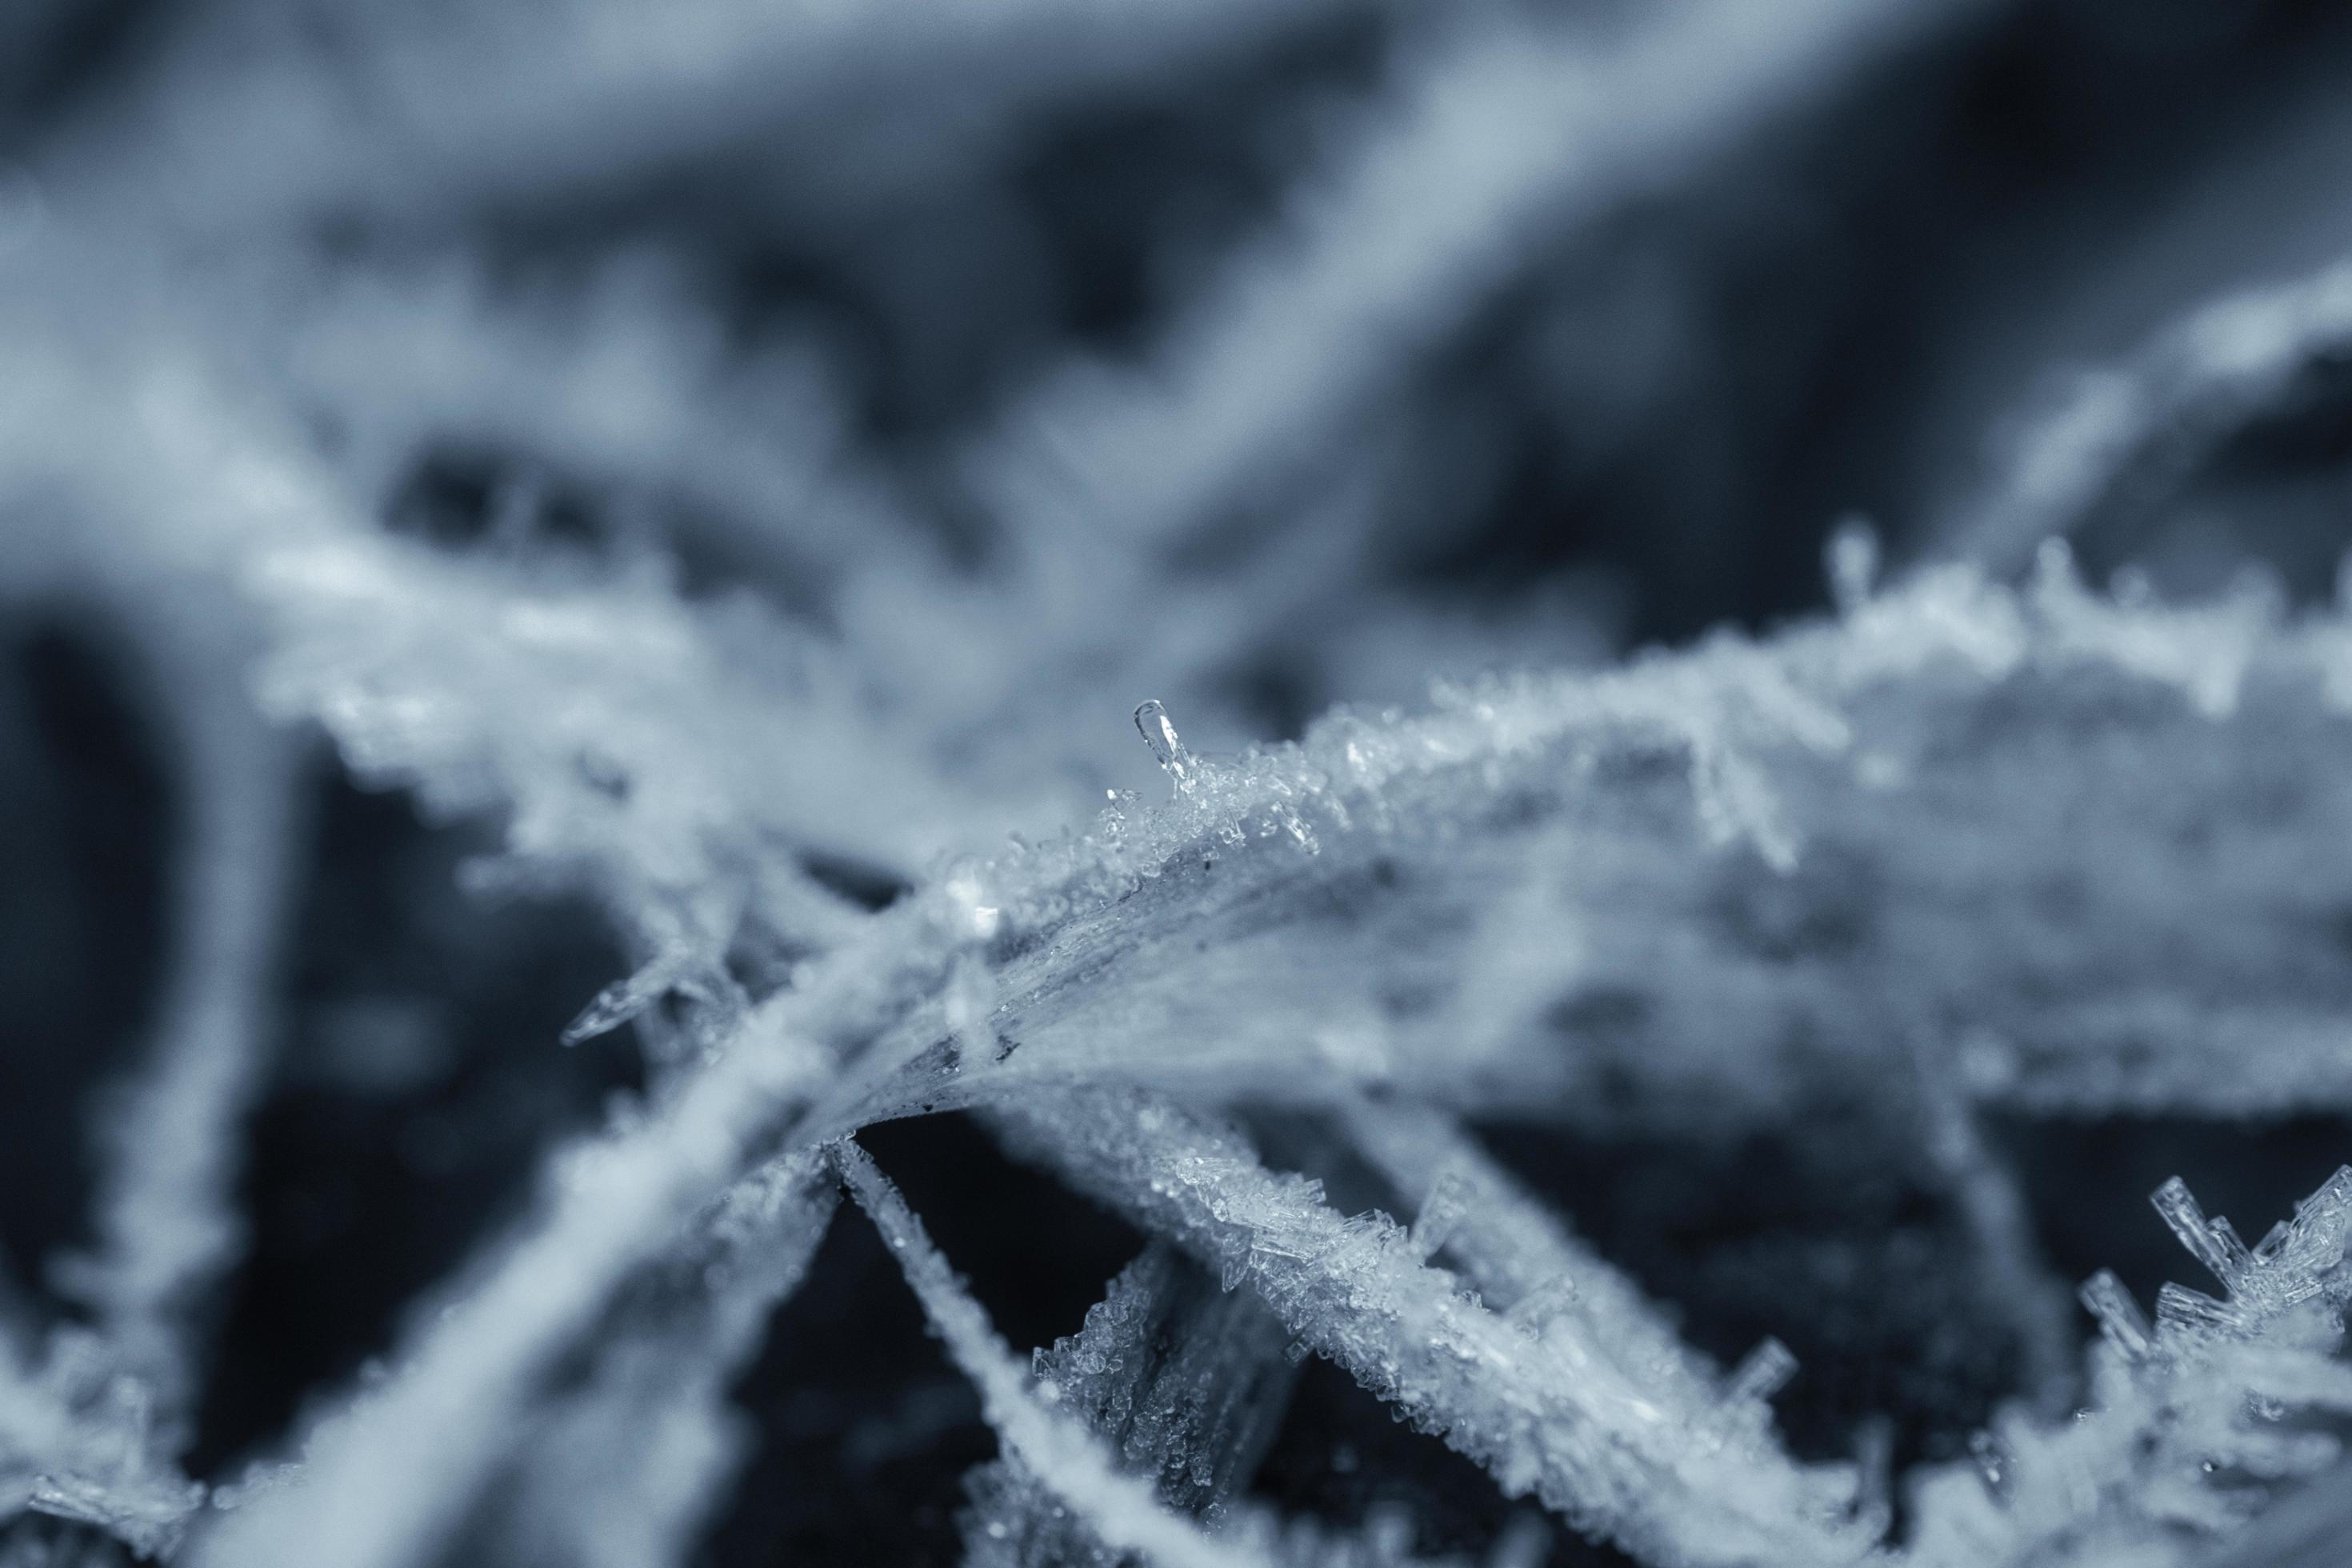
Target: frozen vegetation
(945, 705)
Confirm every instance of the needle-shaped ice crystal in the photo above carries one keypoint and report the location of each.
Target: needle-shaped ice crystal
(1158, 732)
(1449, 1197)
(1852, 561)
(623, 1000)
(2214, 1244)
(1761, 1373)
(2181, 1312)
(2120, 1319)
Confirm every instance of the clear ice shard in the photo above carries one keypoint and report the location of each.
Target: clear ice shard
(2120, 1319)
(1442, 1211)
(2315, 1239)
(1158, 732)
(623, 999)
(2290, 1265)
(2214, 1246)
(2179, 1309)
(676, 971)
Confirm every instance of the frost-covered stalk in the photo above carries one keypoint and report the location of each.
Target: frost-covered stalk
(1098, 1443)
(1533, 1399)
(2134, 428)
(1522, 1258)
(615, 382)
(103, 1412)
(1898, 856)
(1184, 1381)
(1506, 135)
(168, 1221)
(385, 1482)
(403, 116)
(1054, 1446)
(620, 1472)
(476, 686)
(1496, 140)
(1992, 1205)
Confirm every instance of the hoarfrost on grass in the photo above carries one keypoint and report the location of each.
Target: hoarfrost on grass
(1988, 842)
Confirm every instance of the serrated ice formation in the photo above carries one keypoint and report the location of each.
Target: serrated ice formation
(1066, 784)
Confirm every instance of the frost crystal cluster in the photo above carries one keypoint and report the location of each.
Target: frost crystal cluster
(598, 976)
